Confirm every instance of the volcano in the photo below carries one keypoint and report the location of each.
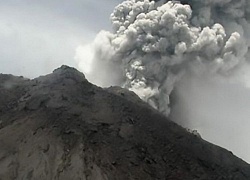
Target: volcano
(60, 126)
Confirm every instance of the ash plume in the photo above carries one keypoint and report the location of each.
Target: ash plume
(157, 46)
(154, 44)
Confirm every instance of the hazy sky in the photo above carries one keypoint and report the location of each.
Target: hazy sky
(37, 36)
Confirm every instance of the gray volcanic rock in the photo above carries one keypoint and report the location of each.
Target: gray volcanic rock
(60, 126)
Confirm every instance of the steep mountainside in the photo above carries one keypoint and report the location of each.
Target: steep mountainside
(60, 126)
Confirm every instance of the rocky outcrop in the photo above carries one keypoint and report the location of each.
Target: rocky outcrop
(60, 126)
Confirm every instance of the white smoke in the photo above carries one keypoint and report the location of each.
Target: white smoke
(157, 47)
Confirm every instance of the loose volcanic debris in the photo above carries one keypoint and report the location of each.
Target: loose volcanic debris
(60, 126)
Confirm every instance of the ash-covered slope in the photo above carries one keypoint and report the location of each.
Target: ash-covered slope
(60, 126)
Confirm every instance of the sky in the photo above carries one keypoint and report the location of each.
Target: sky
(39, 36)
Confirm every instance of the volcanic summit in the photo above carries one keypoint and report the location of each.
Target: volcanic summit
(60, 126)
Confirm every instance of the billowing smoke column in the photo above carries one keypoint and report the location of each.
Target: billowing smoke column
(156, 44)
(189, 59)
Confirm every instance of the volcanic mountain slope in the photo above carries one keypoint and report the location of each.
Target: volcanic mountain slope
(60, 126)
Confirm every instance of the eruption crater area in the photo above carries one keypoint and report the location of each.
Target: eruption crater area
(199, 49)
